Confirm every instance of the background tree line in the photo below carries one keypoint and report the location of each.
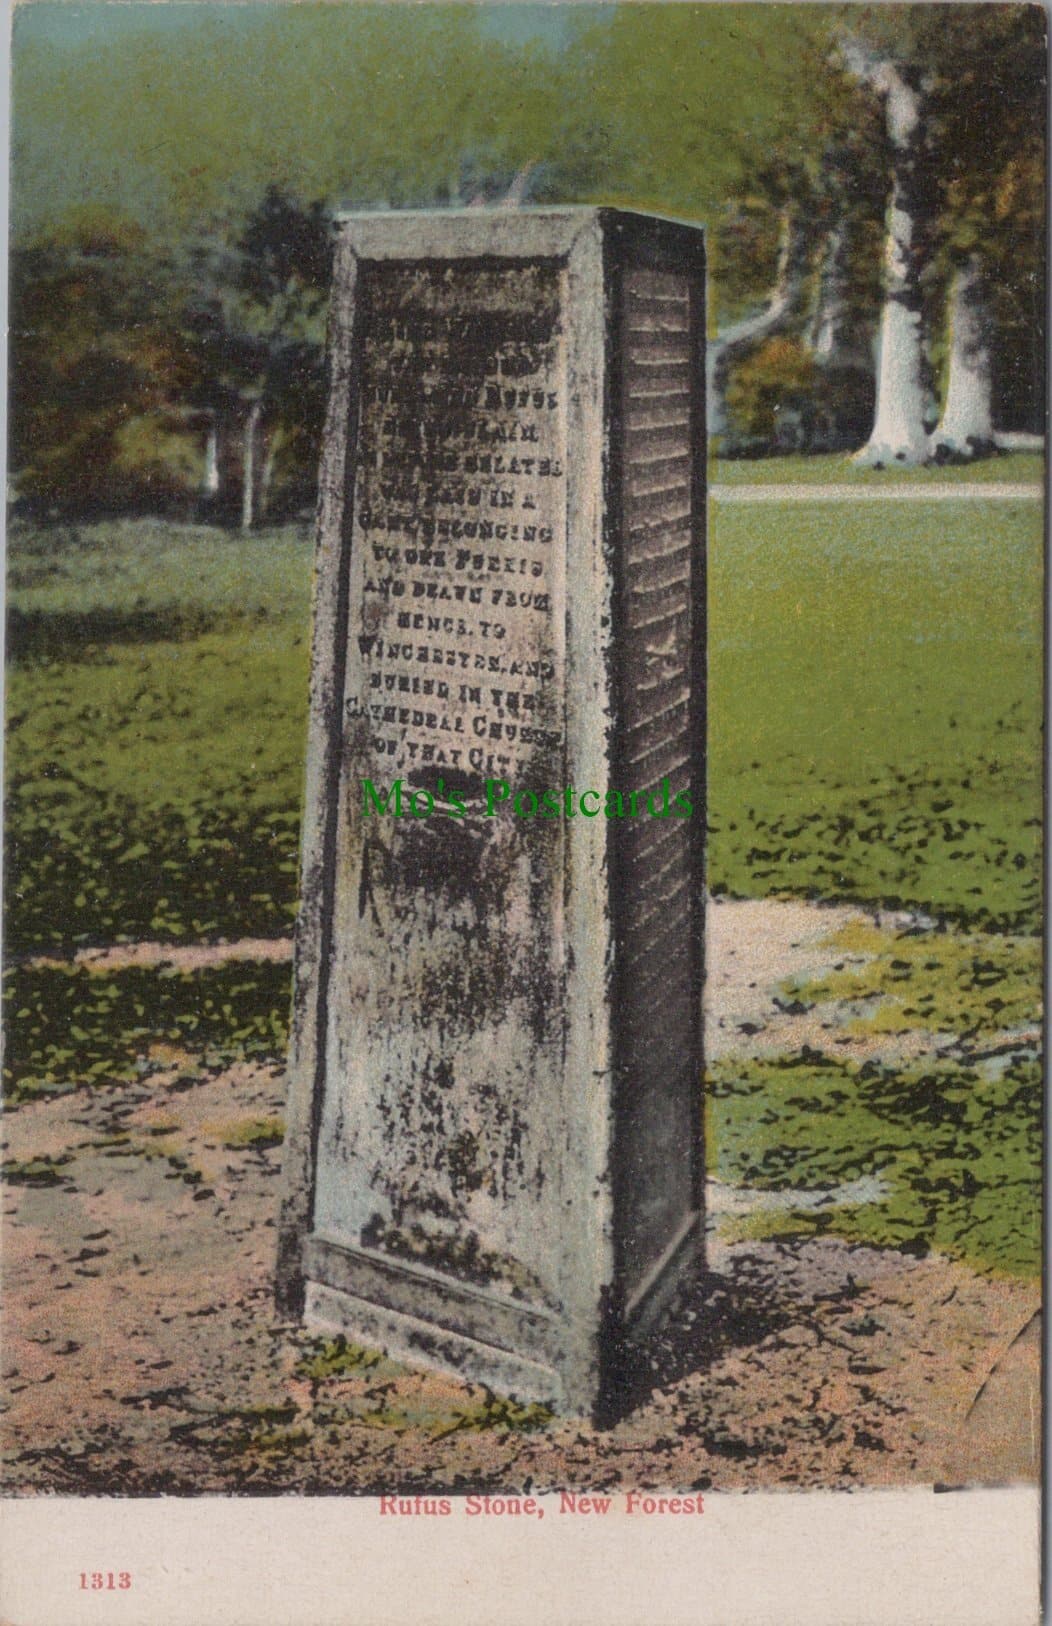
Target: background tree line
(873, 179)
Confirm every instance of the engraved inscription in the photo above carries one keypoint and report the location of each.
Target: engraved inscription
(459, 519)
(444, 980)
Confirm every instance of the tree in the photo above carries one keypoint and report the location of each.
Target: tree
(966, 428)
(822, 186)
(783, 309)
(992, 212)
(254, 314)
(961, 89)
(658, 79)
(745, 117)
(91, 349)
(904, 379)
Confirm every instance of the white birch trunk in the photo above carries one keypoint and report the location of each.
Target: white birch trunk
(966, 429)
(210, 483)
(266, 478)
(832, 338)
(899, 434)
(248, 466)
(901, 416)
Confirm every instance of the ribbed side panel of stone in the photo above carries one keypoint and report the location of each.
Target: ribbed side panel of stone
(439, 1122)
(657, 998)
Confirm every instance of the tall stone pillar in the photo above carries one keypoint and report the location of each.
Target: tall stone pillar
(493, 1156)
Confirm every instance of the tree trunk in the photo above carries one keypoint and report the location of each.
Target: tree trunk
(966, 429)
(833, 336)
(842, 351)
(903, 412)
(783, 304)
(266, 478)
(248, 466)
(210, 482)
(516, 193)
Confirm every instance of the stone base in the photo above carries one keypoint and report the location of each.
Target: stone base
(424, 1343)
(415, 1314)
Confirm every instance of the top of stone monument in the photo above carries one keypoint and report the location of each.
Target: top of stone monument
(532, 211)
(535, 229)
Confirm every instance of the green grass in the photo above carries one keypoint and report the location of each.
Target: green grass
(186, 576)
(255, 1135)
(954, 1141)
(940, 982)
(875, 706)
(833, 468)
(874, 701)
(335, 1357)
(67, 1026)
(957, 1145)
(156, 733)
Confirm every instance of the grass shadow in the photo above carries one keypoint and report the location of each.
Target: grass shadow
(67, 635)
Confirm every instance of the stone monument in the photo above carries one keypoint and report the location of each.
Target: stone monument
(493, 1153)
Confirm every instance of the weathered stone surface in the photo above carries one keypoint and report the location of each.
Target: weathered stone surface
(493, 1160)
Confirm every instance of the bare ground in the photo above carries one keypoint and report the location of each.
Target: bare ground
(141, 1351)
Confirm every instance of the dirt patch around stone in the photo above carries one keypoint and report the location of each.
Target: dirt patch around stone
(142, 1353)
(752, 947)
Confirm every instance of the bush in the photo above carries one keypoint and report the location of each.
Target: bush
(779, 399)
(776, 378)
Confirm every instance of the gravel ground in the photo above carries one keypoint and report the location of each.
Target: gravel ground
(142, 1355)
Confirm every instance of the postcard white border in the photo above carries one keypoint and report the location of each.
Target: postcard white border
(863, 1558)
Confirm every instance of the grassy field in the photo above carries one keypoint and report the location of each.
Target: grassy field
(156, 732)
(875, 706)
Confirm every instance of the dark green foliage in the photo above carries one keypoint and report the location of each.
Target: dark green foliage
(780, 401)
(83, 875)
(68, 1027)
(93, 354)
(252, 309)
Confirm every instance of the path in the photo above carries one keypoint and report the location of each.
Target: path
(750, 943)
(922, 491)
